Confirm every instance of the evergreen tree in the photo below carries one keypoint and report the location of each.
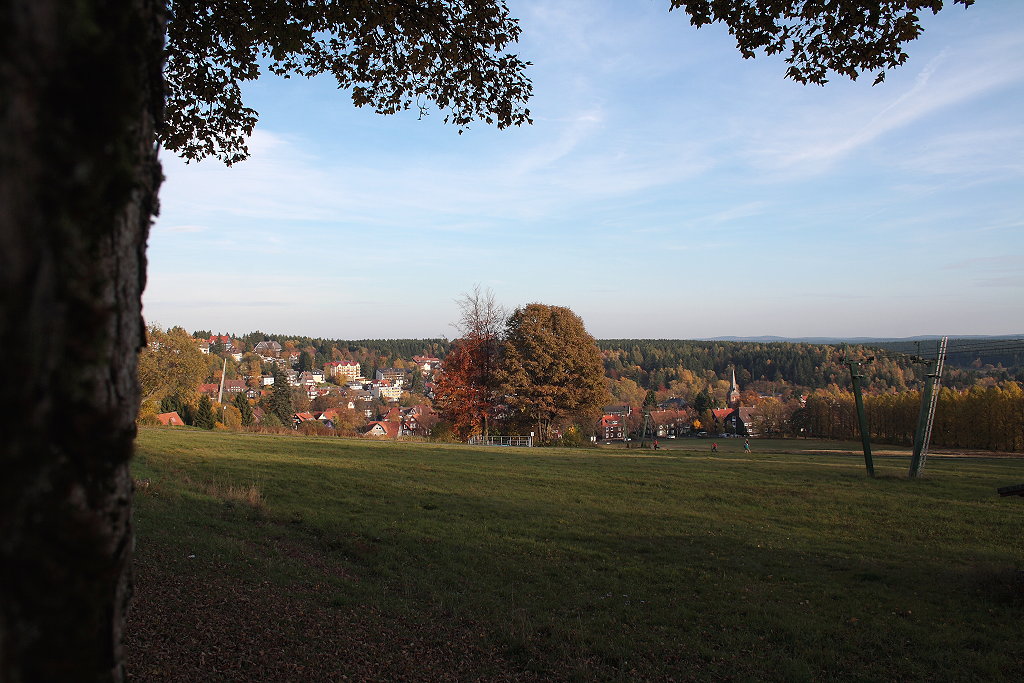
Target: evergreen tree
(417, 382)
(651, 401)
(204, 413)
(703, 401)
(242, 403)
(171, 404)
(175, 404)
(280, 400)
(270, 420)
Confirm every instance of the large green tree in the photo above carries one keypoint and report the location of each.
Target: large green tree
(86, 91)
(170, 364)
(551, 371)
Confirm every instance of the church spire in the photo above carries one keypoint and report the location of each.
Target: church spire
(733, 397)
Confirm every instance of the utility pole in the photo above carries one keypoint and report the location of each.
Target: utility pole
(220, 395)
(643, 428)
(865, 435)
(926, 417)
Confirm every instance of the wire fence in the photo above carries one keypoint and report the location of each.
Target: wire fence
(520, 441)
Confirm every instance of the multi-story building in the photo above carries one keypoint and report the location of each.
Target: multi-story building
(612, 427)
(393, 375)
(386, 390)
(344, 370)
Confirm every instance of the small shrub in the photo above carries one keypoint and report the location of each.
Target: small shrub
(313, 428)
(242, 494)
(443, 433)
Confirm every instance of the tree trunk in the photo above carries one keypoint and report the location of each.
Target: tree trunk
(80, 96)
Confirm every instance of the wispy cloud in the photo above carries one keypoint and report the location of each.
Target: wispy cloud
(1002, 281)
(819, 137)
(991, 271)
(183, 228)
(1002, 262)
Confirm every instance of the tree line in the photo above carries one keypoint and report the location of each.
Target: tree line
(684, 367)
(483, 392)
(979, 417)
(667, 364)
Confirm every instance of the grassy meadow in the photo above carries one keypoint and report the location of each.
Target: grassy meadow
(280, 557)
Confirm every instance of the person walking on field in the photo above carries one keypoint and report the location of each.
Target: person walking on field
(746, 445)
(714, 447)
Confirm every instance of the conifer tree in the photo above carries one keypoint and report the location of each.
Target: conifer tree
(651, 400)
(280, 400)
(204, 414)
(242, 403)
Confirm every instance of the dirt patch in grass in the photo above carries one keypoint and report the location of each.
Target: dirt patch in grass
(185, 628)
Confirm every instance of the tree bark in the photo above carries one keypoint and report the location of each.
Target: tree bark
(80, 99)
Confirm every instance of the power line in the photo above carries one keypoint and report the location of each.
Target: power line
(979, 348)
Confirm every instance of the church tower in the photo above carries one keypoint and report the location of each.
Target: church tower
(733, 397)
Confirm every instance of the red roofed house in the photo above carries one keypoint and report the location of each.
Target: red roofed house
(171, 419)
(383, 429)
(612, 427)
(234, 386)
(418, 420)
(303, 417)
(671, 422)
(231, 387)
(736, 420)
(224, 339)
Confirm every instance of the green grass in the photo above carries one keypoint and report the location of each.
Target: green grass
(785, 564)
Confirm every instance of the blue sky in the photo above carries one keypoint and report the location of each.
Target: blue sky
(667, 189)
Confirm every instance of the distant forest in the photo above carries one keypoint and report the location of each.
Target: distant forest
(657, 364)
(678, 366)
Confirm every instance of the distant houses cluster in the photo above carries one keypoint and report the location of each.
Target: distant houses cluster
(374, 398)
(673, 418)
(341, 385)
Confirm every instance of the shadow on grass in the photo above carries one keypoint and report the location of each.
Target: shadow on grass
(569, 569)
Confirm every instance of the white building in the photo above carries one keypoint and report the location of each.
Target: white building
(386, 390)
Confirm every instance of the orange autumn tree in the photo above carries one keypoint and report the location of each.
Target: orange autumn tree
(467, 391)
(551, 373)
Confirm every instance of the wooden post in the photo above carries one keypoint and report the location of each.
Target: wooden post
(865, 436)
